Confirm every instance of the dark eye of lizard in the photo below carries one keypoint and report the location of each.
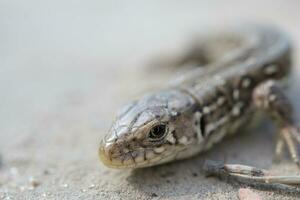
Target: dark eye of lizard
(157, 132)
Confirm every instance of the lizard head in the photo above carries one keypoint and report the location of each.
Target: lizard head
(150, 131)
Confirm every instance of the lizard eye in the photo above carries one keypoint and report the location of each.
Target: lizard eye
(158, 132)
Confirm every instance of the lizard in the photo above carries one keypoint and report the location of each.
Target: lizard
(239, 74)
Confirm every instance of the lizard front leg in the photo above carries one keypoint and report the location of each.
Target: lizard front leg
(268, 97)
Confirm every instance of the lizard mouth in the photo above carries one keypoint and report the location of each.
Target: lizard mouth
(116, 161)
(114, 156)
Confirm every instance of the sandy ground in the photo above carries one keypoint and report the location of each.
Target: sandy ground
(66, 66)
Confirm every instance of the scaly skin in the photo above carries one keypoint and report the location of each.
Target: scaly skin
(205, 106)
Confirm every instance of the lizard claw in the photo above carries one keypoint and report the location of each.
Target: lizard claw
(289, 136)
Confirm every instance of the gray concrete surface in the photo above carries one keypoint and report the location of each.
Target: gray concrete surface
(65, 68)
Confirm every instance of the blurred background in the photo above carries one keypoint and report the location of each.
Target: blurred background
(67, 66)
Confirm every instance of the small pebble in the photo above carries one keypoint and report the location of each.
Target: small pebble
(22, 188)
(49, 194)
(247, 194)
(34, 183)
(154, 195)
(30, 188)
(46, 172)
